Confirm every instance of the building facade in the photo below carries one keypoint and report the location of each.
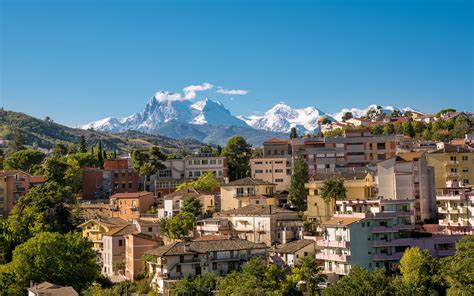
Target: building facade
(275, 170)
(452, 163)
(130, 206)
(247, 191)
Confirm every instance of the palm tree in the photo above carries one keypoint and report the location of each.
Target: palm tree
(333, 189)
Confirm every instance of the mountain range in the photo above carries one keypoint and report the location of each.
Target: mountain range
(210, 122)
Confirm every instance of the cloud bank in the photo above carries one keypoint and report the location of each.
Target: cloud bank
(224, 91)
(190, 92)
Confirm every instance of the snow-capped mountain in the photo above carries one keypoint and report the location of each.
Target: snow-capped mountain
(356, 112)
(159, 112)
(281, 118)
(172, 115)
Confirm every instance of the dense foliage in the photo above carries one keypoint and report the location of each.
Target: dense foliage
(298, 193)
(238, 156)
(205, 183)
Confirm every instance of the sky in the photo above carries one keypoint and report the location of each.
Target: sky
(80, 61)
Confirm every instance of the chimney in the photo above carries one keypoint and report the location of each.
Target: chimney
(186, 247)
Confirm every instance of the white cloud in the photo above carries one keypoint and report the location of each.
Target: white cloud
(190, 91)
(224, 91)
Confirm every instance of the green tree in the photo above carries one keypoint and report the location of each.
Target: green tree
(177, 227)
(333, 189)
(420, 274)
(311, 273)
(408, 129)
(100, 155)
(347, 116)
(218, 150)
(238, 156)
(458, 271)
(42, 208)
(377, 129)
(2, 158)
(82, 144)
(202, 285)
(396, 113)
(298, 193)
(17, 141)
(206, 183)
(293, 133)
(84, 159)
(60, 150)
(192, 205)
(148, 162)
(66, 260)
(388, 129)
(23, 160)
(360, 281)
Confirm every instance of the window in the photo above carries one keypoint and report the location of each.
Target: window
(381, 156)
(258, 171)
(258, 162)
(454, 170)
(212, 161)
(124, 174)
(120, 243)
(219, 161)
(190, 174)
(150, 229)
(278, 171)
(453, 158)
(124, 185)
(197, 162)
(380, 145)
(279, 162)
(465, 170)
(214, 265)
(197, 173)
(130, 185)
(465, 181)
(464, 157)
(204, 162)
(279, 180)
(178, 268)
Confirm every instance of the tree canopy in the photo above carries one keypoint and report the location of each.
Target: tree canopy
(298, 193)
(206, 183)
(238, 156)
(23, 160)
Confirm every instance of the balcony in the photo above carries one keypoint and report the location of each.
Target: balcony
(451, 162)
(399, 227)
(445, 253)
(333, 244)
(242, 194)
(134, 208)
(387, 257)
(453, 175)
(454, 223)
(333, 257)
(393, 242)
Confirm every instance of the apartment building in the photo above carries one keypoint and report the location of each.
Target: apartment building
(96, 184)
(290, 253)
(273, 170)
(247, 191)
(136, 245)
(130, 205)
(456, 206)
(408, 176)
(212, 226)
(172, 262)
(263, 224)
(189, 168)
(374, 234)
(173, 201)
(14, 184)
(355, 150)
(276, 148)
(123, 178)
(359, 185)
(95, 229)
(452, 163)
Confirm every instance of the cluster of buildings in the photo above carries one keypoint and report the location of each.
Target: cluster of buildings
(399, 193)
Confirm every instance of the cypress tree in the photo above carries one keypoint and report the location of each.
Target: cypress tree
(82, 144)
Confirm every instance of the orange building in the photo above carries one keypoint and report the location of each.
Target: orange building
(123, 177)
(130, 206)
(136, 244)
(14, 184)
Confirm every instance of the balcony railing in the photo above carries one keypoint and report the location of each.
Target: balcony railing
(387, 257)
(333, 244)
(393, 242)
(396, 228)
(451, 162)
(333, 257)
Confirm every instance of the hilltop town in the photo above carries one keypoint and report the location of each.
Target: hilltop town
(377, 204)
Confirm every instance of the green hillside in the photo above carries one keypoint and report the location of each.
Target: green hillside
(45, 134)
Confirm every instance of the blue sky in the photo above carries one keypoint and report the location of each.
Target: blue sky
(79, 61)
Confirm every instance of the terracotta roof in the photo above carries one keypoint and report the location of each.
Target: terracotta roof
(211, 237)
(248, 182)
(145, 236)
(48, 289)
(275, 140)
(37, 179)
(109, 222)
(187, 192)
(255, 210)
(340, 221)
(292, 247)
(11, 173)
(345, 175)
(409, 156)
(203, 247)
(123, 230)
(448, 148)
(131, 194)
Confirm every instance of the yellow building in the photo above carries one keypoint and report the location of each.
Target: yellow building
(359, 185)
(247, 191)
(94, 229)
(452, 163)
